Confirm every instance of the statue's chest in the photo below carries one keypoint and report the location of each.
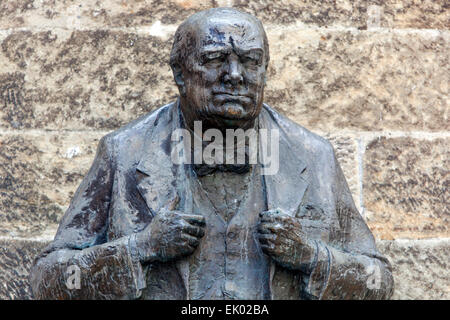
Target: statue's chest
(229, 261)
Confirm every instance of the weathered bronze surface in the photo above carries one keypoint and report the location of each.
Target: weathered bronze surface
(143, 227)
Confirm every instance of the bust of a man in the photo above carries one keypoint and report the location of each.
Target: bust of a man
(165, 212)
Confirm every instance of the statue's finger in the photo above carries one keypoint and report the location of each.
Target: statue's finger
(194, 219)
(263, 228)
(194, 230)
(267, 218)
(272, 214)
(190, 240)
(266, 238)
(269, 227)
(173, 204)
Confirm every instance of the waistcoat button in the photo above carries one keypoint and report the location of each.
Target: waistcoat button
(231, 235)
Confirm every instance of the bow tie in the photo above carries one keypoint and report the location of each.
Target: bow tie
(205, 169)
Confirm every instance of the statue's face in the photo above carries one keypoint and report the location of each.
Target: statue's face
(225, 74)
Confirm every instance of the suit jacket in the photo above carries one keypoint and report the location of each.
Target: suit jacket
(132, 178)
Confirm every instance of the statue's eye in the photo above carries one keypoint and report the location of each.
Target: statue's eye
(214, 57)
(252, 59)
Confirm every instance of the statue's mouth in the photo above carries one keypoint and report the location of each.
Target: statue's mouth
(232, 106)
(229, 111)
(236, 95)
(227, 95)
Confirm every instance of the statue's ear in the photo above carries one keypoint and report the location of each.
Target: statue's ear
(178, 76)
(265, 72)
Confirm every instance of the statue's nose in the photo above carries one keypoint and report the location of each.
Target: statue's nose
(234, 74)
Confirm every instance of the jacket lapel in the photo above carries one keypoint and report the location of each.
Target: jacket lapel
(285, 189)
(155, 172)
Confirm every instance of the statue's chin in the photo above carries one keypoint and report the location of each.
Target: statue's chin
(228, 115)
(229, 111)
(233, 111)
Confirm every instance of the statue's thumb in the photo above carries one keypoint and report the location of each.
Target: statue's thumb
(173, 204)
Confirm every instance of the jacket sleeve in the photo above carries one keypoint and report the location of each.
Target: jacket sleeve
(352, 267)
(81, 263)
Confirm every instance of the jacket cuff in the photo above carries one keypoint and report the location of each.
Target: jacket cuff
(135, 266)
(315, 284)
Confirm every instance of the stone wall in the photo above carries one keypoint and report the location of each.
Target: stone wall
(371, 76)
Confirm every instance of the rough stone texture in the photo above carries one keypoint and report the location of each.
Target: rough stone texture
(420, 268)
(114, 13)
(406, 187)
(16, 257)
(325, 80)
(334, 81)
(39, 173)
(81, 79)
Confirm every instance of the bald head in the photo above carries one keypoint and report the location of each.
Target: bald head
(193, 29)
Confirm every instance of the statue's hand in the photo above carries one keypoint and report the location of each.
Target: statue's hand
(169, 236)
(282, 238)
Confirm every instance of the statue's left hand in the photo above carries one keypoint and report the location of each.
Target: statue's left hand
(282, 238)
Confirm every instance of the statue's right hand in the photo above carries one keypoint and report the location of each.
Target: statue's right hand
(169, 236)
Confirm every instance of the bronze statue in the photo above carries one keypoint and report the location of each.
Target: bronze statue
(142, 226)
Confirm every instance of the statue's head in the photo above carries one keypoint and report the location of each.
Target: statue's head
(219, 61)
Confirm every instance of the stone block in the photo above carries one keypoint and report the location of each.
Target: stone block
(360, 81)
(406, 187)
(39, 173)
(81, 79)
(420, 268)
(16, 258)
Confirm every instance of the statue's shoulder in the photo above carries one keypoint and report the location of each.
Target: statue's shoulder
(126, 143)
(298, 135)
(137, 129)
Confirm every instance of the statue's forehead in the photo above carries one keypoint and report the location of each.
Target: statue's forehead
(223, 30)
